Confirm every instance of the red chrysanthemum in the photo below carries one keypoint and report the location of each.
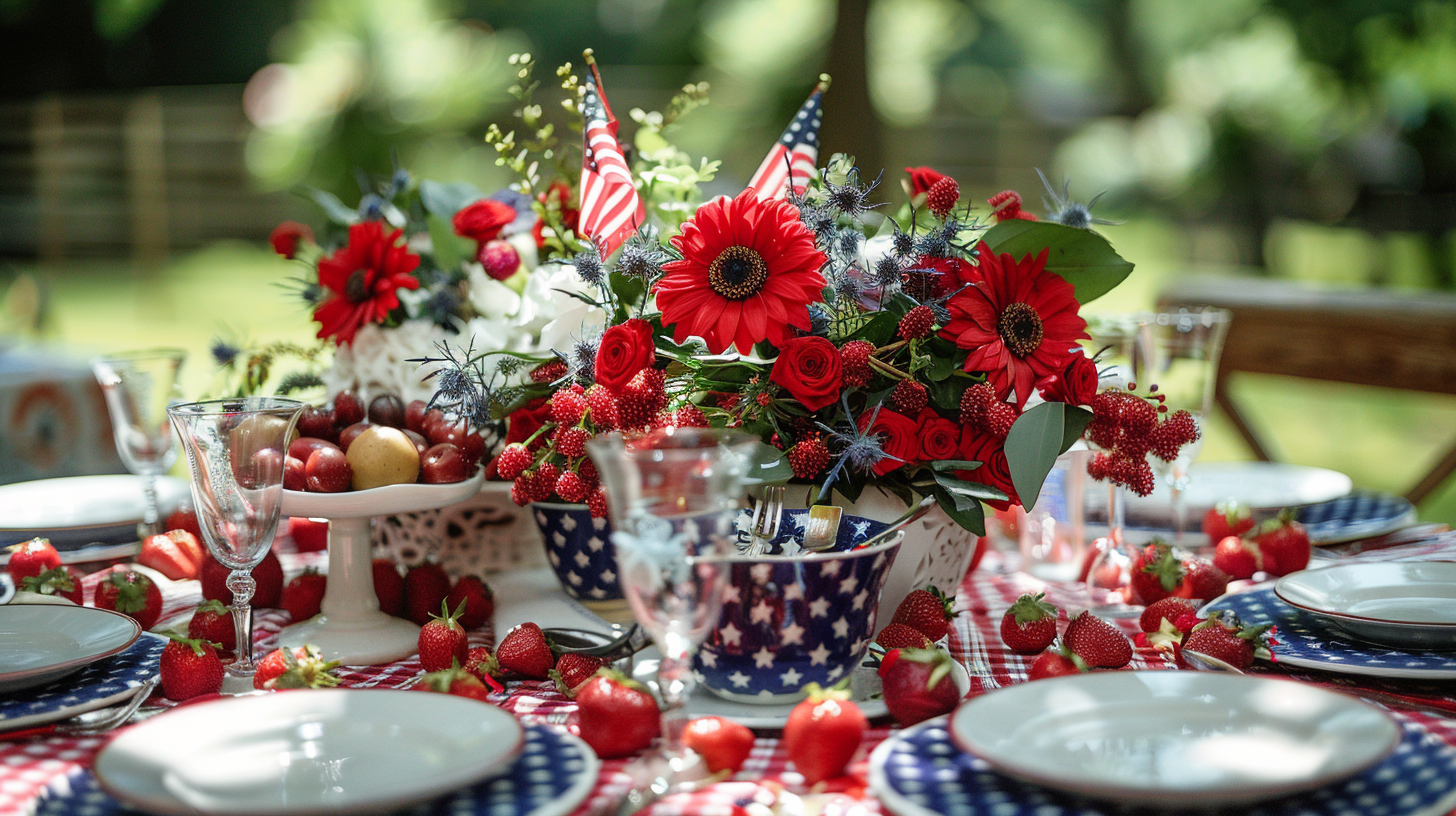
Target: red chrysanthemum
(1019, 321)
(749, 271)
(364, 278)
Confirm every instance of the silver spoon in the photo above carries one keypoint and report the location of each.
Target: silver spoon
(909, 517)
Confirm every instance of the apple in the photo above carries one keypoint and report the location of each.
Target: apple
(301, 447)
(383, 456)
(414, 415)
(421, 444)
(317, 421)
(444, 464)
(349, 434)
(294, 475)
(327, 471)
(387, 409)
(348, 409)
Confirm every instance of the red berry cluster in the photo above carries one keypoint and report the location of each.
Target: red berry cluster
(1006, 205)
(917, 323)
(909, 397)
(854, 358)
(549, 372)
(942, 196)
(981, 409)
(1127, 426)
(809, 457)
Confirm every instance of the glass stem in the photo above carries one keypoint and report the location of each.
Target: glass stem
(1180, 512)
(153, 512)
(675, 682)
(242, 585)
(1116, 513)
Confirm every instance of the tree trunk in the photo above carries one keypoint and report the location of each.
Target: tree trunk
(850, 125)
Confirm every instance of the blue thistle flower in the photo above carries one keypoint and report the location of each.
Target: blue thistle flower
(1068, 212)
(589, 265)
(887, 271)
(859, 450)
(903, 243)
(223, 352)
(371, 207)
(851, 198)
(583, 360)
(642, 259)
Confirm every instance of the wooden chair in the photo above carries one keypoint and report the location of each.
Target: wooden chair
(1404, 340)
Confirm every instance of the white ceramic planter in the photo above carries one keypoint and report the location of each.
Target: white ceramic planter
(482, 535)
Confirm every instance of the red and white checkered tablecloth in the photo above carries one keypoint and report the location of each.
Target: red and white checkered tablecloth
(28, 767)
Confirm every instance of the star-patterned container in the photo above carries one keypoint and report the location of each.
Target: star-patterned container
(580, 550)
(791, 620)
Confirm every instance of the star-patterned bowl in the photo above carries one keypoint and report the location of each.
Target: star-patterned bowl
(580, 550)
(789, 620)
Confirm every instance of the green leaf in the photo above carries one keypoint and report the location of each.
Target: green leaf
(972, 518)
(1033, 446)
(336, 210)
(1085, 259)
(1073, 424)
(445, 200)
(965, 491)
(770, 466)
(954, 464)
(450, 250)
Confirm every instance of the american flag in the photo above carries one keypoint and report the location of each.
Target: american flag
(795, 152)
(610, 208)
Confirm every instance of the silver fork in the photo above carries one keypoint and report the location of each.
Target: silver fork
(106, 719)
(767, 515)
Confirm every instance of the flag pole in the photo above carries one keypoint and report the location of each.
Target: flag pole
(591, 62)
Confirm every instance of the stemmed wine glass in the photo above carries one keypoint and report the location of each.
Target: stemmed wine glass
(138, 387)
(674, 496)
(236, 448)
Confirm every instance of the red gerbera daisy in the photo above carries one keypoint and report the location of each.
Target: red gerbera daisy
(1019, 321)
(364, 277)
(749, 270)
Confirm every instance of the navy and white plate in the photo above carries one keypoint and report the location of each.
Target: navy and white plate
(919, 772)
(1305, 641)
(45, 642)
(103, 683)
(1361, 514)
(551, 776)
(79, 512)
(1404, 604)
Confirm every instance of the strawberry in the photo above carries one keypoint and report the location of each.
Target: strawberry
(1056, 663)
(900, 636)
(524, 651)
(190, 668)
(478, 599)
(175, 554)
(1202, 580)
(927, 610)
(298, 668)
(132, 594)
(32, 558)
(213, 622)
(1237, 557)
(388, 587)
(62, 582)
(1223, 636)
(425, 588)
(722, 743)
(1171, 609)
(443, 642)
(572, 670)
(1283, 545)
(184, 519)
(1156, 572)
(1226, 519)
(1098, 642)
(918, 684)
(481, 663)
(1029, 625)
(617, 716)
(456, 681)
(268, 575)
(823, 733)
(304, 594)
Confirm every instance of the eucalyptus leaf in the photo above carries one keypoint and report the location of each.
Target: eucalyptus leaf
(1082, 257)
(954, 464)
(336, 210)
(972, 518)
(1073, 424)
(963, 489)
(445, 200)
(1032, 447)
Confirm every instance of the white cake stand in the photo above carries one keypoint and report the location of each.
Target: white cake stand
(350, 628)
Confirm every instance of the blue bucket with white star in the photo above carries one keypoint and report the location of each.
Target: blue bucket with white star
(797, 618)
(579, 548)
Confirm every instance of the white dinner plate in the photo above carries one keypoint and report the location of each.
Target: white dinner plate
(308, 752)
(1256, 485)
(79, 510)
(41, 643)
(1406, 604)
(1151, 737)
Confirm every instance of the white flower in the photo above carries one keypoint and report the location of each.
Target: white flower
(490, 297)
(559, 317)
(377, 361)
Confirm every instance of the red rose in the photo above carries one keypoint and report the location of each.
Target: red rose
(897, 438)
(625, 349)
(286, 237)
(978, 446)
(922, 179)
(1075, 384)
(939, 437)
(526, 420)
(483, 220)
(810, 370)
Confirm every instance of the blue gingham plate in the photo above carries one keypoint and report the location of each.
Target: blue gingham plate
(1306, 642)
(919, 772)
(1361, 514)
(103, 683)
(553, 774)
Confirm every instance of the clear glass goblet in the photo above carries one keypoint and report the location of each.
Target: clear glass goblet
(138, 387)
(674, 496)
(235, 448)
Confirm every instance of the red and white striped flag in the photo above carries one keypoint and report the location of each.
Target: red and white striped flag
(796, 152)
(610, 207)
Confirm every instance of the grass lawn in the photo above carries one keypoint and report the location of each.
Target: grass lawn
(1384, 439)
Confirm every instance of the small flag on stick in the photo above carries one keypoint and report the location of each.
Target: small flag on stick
(795, 153)
(610, 207)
